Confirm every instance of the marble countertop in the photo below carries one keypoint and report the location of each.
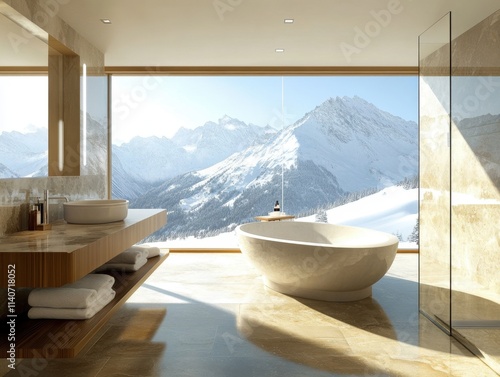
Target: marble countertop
(67, 252)
(67, 238)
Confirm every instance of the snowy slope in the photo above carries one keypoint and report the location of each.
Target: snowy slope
(393, 210)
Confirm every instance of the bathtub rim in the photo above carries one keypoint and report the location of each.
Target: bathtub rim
(391, 239)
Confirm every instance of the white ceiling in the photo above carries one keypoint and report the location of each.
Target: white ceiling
(247, 32)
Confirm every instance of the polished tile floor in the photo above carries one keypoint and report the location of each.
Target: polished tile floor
(209, 315)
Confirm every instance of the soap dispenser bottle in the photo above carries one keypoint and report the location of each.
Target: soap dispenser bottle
(41, 210)
(276, 206)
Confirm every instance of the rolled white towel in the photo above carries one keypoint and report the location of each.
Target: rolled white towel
(131, 255)
(93, 281)
(126, 267)
(152, 250)
(72, 313)
(62, 297)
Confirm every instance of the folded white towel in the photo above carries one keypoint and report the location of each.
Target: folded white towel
(93, 281)
(77, 295)
(131, 255)
(152, 250)
(69, 313)
(62, 297)
(126, 267)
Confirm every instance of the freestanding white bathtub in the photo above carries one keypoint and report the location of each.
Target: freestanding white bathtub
(317, 260)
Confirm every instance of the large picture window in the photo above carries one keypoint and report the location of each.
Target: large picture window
(218, 151)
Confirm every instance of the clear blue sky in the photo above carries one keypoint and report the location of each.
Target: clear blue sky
(15, 98)
(159, 105)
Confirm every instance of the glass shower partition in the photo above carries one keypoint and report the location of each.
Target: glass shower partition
(434, 173)
(459, 136)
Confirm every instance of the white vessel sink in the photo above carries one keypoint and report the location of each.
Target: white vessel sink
(98, 211)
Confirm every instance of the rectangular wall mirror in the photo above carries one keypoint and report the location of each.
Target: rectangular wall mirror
(23, 102)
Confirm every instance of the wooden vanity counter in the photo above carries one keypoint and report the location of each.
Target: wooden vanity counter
(64, 254)
(68, 252)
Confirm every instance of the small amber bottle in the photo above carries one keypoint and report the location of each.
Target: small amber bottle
(34, 218)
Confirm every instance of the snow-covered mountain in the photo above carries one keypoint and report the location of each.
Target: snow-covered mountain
(123, 185)
(344, 145)
(5, 172)
(23, 154)
(143, 161)
(213, 142)
(153, 159)
(96, 148)
(26, 154)
(360, 144)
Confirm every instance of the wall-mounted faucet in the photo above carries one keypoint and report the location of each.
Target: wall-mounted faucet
(41, 205)
(65, 198)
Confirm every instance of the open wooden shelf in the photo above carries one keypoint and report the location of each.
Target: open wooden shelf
(50, 338)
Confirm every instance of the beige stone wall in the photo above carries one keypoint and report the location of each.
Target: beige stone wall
(476, 158)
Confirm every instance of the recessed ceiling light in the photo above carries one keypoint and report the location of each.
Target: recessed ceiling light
(106, 21)
(288, 20)
(280, 50)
